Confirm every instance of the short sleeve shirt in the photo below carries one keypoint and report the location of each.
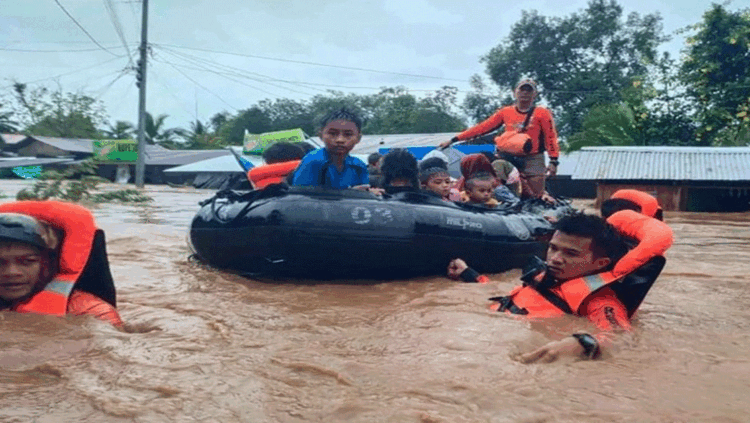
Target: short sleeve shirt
(317, 169)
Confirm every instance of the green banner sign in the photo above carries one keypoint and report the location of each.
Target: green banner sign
(115, 150)
(257, 143)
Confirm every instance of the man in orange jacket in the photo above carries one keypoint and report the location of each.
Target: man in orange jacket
(573, 281)
(537, 123)
(41, 262)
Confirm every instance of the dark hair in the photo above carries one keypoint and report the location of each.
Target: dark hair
(373, 158)
(432, 166)
(605, 241)
(306, 146)
(613, 205)
(478, 177)
(399, 163)
(283, 152)
(341, 114)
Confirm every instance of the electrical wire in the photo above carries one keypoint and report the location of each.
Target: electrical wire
(314, 63)
(19, 50)
(70, 72)
(170, 91)
(201, 86)
(301, 84)
(224, 74)
(82, 28)
(118, 28)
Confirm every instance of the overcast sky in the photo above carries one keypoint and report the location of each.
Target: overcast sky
(440, 40)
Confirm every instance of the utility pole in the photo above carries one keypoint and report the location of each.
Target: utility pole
(140, 164)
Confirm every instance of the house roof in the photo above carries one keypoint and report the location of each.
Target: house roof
(30, 161)
(11, 139)
(664, 163)
(165, 157)
(74, 145)
(221, 164)
(371, 143)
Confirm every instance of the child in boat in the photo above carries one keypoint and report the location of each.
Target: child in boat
(332, 166)
(400, 172)
(509, 189)
(281, 158)
(434, 176)
(43, 265)
(478, 189)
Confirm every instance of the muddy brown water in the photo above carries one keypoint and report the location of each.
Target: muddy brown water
(203, 345)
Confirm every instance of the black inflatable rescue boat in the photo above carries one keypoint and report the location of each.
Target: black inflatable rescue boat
(314, 233)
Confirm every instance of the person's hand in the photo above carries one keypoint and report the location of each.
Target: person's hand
(568, 347)
(444, 145)
(551, 169)
(548, 198)
(364, 187)
(456, 267)
(377, 191)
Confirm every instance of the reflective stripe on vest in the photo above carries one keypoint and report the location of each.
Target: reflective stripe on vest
(77, 223)
(573, 292)
(53, 299)
(265, 175)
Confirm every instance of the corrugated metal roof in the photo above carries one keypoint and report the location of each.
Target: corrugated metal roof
(12, 138)
(371, 143)
(77, 145)
(664, 163)
(226, 163)
(164, 157)
(29, 161)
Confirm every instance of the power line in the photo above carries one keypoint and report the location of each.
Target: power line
(200, 85)
(82, 28)
(71, 72)
(51, 51)
(118, 27)
(302, 84)
(224, 74)
(315, 64)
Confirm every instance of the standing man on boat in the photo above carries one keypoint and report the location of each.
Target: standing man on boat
(529, 132)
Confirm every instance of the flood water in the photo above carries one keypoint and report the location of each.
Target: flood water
(202, 345)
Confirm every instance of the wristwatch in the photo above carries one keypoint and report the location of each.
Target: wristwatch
(590, 345)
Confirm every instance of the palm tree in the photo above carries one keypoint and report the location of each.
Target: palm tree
(607, 125)
(155, 133)
(7, 125)
(121, 130)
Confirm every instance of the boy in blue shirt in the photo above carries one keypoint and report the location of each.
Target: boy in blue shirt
(332, 166)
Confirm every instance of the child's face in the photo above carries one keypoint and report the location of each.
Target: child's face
(480, 192)
(340, 136)
(20, 268)
(439, 183)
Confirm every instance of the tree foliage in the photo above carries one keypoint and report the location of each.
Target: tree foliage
(716, 71)
(580, 60)
(58, 114)
(121, 130)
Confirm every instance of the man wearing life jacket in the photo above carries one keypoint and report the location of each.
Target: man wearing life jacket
(281, 158)
(51, 259)
(647, 203)
(529, 132)
(576, 279)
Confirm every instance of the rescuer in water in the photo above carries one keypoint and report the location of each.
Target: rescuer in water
(53, 261)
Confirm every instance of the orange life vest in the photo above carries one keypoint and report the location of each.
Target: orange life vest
(654, 238)
(649, 205)
(572, 293)
(265, 175)
(78, 225)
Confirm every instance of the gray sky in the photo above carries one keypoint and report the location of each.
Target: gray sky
(432, 38)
